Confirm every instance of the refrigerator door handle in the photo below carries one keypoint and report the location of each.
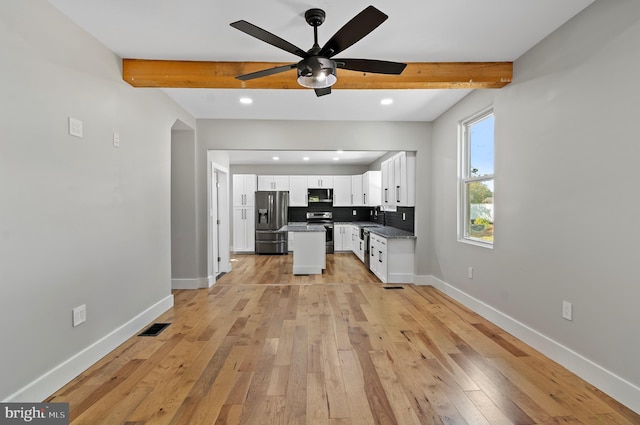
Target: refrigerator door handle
(270, 210)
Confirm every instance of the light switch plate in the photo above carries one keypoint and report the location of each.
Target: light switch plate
(567, 310)
(79, 315)
(75, 127)
(116, 140)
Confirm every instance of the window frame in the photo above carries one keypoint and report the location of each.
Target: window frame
(464, 179)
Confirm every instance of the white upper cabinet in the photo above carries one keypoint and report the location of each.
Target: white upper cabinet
(399, 180)
(320, 182)
(371, 188)
(386, 170)
(244, 190)
(404, 170)
(356, 191)
(342, 196)
(273, 182)
(298, 191)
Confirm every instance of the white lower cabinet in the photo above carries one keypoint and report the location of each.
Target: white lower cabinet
(342, 237)
(290, 241)
(358, 244)
(392, 259)
(355, 239)
(378, 254)
(244, 234)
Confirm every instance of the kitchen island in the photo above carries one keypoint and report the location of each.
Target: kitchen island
(309, 256)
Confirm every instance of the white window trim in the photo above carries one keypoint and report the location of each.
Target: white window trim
(463, 165)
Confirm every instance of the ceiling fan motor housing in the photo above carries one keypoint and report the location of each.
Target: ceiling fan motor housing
(316, 72)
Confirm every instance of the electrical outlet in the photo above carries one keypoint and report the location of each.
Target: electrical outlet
(404, 216)
(567, 310)
(116, 140)
(79, 315)
(470, 273)
(354, 212)
(75, 127)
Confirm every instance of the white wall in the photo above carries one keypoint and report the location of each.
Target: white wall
(81, 222)
(566, 197)
(183, 197)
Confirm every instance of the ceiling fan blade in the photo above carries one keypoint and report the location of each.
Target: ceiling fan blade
(267, 37)
(353, 31)
(371, 65)
(323, 92)
(265, 72)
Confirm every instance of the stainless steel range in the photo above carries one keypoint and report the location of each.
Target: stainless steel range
(326, 219)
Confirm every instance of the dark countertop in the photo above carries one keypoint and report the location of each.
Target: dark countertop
(378, 229)
(391, 232)
(303, 227)
(359, 223)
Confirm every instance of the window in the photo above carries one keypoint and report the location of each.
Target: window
(475, 205)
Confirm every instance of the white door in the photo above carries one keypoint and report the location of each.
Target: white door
(215, 223)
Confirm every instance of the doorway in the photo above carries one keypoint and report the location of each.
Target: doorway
(219, 256)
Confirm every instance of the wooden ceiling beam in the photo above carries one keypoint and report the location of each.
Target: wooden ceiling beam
(217, 75)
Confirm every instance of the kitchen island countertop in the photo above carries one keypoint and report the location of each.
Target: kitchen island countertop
(302, 227)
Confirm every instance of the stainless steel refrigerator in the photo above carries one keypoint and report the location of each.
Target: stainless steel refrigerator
(272, 209)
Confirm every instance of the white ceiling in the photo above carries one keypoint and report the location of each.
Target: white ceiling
(416, 31)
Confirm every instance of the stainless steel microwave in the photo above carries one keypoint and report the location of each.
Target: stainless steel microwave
(317, 196)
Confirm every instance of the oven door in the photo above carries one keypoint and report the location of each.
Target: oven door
(329, 232)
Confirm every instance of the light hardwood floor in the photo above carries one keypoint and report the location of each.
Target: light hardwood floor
(265, 347)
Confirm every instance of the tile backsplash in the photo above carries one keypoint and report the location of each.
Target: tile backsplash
(403, 218)
(299, 214)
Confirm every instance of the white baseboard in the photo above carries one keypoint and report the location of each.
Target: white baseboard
(56, 378)
(401, 278)
(198, 283)
(617, 387)
(422, 280)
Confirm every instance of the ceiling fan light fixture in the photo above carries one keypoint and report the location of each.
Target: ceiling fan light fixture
(317, 72)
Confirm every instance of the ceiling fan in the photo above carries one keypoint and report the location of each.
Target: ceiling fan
(317, 69)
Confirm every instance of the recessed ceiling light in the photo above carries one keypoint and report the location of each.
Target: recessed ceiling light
(306, 158)
(386, 101)
(246, 100)
(340, 151)
(336, 159)
(275, 158)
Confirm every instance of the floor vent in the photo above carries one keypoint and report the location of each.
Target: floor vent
(393, 287)
(155, 329)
